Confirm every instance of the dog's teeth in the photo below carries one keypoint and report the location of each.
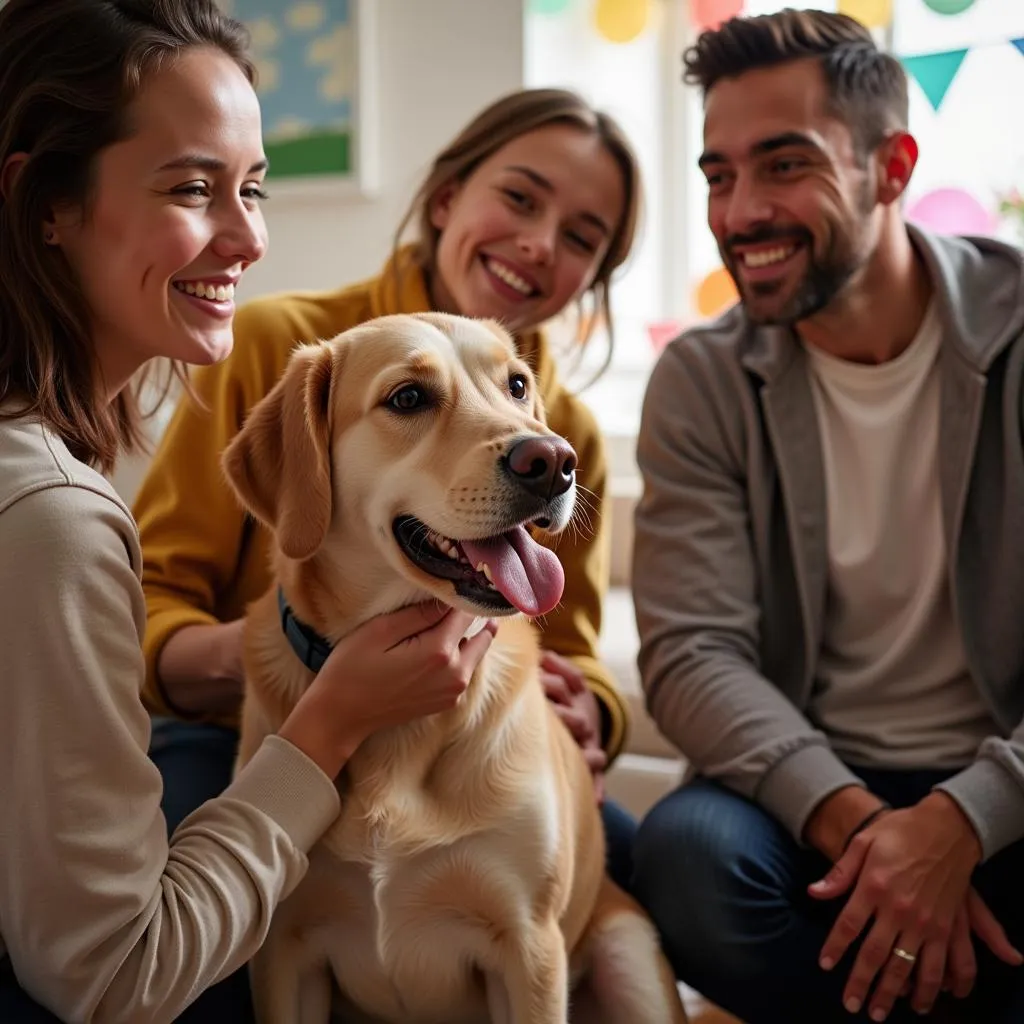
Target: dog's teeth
(486, 570)
(443, 544)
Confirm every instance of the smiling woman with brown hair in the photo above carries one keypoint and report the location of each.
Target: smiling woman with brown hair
(528, 211)
(131, 169)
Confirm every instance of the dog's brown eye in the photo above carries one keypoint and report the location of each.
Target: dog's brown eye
(517, 386)
(408, 399)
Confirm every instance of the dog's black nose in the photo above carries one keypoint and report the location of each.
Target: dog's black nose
(543, 465)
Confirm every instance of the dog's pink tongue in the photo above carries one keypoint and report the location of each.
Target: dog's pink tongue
(528, 575)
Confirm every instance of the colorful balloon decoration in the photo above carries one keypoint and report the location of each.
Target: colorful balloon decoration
(948, 6)
(871, 13)
(951, 211)
(716, 293)
(548, 6)
(621, 21)
(709, 14)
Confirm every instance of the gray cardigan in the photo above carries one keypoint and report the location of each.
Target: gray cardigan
(730, 560)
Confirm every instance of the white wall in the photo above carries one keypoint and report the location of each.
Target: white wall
(438, 63)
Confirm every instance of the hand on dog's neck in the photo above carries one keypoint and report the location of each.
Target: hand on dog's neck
(312, 649)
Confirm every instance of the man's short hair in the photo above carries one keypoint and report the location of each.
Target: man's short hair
(867, 88)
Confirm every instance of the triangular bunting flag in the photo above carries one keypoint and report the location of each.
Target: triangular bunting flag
(1019, 43)
(935, 72)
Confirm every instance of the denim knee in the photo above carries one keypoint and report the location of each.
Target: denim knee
(716, 874)
(195, 761)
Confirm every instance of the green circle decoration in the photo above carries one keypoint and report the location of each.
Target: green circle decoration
(949, 6)
(548, 6)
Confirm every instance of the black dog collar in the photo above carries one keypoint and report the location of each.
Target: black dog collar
(310, 647)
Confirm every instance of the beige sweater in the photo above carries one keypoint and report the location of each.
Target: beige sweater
(103, 918)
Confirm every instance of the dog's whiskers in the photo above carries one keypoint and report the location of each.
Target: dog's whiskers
(586, 497)
(584, 509)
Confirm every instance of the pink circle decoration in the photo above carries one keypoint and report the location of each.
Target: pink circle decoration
(951, 211)
(709, 14)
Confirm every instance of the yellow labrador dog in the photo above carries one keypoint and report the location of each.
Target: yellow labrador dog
(464, 880)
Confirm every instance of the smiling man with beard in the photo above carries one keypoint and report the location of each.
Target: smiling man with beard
(829, 564)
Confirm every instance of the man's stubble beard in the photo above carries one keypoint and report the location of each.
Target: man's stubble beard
(846, 252)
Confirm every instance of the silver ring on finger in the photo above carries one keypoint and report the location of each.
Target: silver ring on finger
(903, 954)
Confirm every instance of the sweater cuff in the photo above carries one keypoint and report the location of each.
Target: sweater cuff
(992, 801)
(613, 717)
(290, 789)
(795, 786)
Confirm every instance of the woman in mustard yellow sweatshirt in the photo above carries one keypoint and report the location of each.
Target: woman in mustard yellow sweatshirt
(530, 209)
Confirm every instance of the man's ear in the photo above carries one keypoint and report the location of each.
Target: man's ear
(897, 158)
(280, 463)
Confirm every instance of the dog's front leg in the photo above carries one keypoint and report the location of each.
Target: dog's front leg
(285, 988)
(532, 983)
(498, 1007)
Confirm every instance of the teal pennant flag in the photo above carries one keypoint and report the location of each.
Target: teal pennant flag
(935, 72)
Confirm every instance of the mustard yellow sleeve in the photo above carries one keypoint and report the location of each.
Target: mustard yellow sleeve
(573, 628)
(192, 528)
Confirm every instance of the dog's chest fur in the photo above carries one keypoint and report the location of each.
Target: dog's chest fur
(430, 866)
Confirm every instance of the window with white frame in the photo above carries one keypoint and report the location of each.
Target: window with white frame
(966, 63)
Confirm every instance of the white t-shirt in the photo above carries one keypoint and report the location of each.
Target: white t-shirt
(892, 687)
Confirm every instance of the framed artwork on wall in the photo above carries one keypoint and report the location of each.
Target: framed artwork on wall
(316, 62)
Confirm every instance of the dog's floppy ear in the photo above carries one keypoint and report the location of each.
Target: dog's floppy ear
(280, 462)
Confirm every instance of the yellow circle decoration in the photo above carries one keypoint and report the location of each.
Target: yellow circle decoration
(621, 21)
(871, 13)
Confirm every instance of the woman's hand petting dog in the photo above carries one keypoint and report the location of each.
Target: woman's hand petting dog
(391, 670)
(577, 707)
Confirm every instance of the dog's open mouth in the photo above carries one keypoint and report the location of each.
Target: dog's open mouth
(505, 572)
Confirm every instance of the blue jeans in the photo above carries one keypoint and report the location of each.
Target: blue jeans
(15, 1006)
(726, 886)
